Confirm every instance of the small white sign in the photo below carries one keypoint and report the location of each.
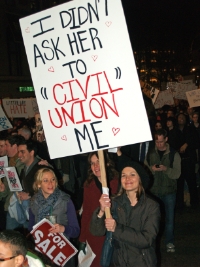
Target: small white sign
(13, 179)
(4, 122)
(20, 108)
(193, 98)
(3, 164)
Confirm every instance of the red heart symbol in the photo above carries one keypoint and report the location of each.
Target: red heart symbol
(94, 58)
(27, 30)
(115, 130)
(108, 23)
(51, 69)
(64, 137)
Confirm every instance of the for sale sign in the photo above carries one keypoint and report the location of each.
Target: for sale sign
(54, 245)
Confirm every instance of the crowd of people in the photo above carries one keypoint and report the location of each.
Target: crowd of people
(147, 182)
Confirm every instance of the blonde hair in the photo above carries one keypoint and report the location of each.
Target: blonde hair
(39, 175)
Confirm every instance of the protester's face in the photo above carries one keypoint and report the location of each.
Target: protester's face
(95, 167)
(190, 110)
(170, 113)
(2, 148)
(130, 179)
(38, 122)
(158, 126)
(6, 252)
(195, 118)
(169, 124)
(11, 150)
(181, 119)
(24, 155)
(48, 184)
(161, 142)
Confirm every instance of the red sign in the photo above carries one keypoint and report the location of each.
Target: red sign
(54, 245)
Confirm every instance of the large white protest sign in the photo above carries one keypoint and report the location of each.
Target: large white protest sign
(193, 98)
(4, 122)
(164, 98)
(18, 108)
(84, 75)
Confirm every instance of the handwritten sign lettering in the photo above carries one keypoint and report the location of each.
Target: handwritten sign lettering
(16, 108)
(85, 79)
(193, 98)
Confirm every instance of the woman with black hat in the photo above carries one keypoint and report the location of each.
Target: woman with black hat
(136, 222)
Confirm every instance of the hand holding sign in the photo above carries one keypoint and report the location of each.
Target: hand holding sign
(54, 245)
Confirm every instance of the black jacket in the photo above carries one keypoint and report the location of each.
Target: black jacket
(135, 233)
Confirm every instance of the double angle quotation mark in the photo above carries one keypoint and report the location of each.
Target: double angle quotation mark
(44, 92)
(118, 73)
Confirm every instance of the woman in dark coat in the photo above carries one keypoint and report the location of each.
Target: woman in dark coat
(137, 220)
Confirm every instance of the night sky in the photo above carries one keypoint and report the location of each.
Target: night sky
(162, 24)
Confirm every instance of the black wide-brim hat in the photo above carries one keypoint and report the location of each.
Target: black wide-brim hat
(144, 176)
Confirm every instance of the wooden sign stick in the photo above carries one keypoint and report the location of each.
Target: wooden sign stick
(103, 177)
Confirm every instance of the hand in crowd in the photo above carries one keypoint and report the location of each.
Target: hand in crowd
(43, 162)
(57, 228)
(110, 224)
(104, 202)
(23, 196)
(119, 153)
(40, 136)
(161, 168)
(2, 187)
(183, 148)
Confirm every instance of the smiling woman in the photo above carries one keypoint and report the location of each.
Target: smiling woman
(49, 200)
(92, 194)
(136, 222)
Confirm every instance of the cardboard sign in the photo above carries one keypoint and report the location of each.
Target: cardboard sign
(164, 98)
(4, 122)
(54, 245)
(18, 108)
(13, 179)
(3, 164)
(85, 78)
(193, 98)
(182, 88)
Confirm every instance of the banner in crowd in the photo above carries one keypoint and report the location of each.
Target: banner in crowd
(3, 164)
(54, 245)
(4, 122)
(20, 108)
(13, 179)
(193, 98)
(164, 98)
(85, 78)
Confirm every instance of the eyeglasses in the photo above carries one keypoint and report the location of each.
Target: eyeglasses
(6, 259)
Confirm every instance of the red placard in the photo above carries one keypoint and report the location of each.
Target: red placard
(54, 245)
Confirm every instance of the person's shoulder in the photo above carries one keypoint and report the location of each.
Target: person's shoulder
(151, 201)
